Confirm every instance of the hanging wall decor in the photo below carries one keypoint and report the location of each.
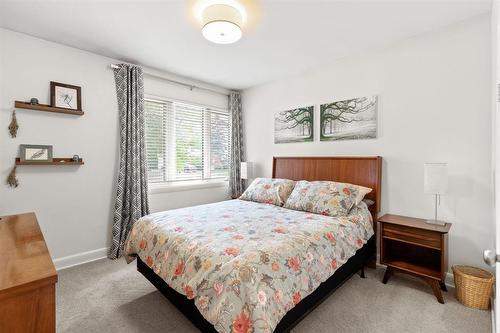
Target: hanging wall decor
(11, 178)
(349, 119)
(294, 125)
(14, 126)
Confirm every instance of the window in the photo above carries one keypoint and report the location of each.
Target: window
(185, 141)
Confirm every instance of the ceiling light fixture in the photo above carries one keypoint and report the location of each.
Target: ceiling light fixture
(222, 24)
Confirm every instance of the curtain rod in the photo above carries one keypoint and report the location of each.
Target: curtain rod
(190, 86)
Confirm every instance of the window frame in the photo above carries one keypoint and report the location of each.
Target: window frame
(190, 184)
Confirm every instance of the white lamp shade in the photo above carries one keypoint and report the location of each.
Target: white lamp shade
(435, 178)
(246, 170)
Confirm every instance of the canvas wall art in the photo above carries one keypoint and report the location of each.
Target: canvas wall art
(294, 125)
(349, 119)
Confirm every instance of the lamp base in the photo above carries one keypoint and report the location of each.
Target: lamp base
(436, 222)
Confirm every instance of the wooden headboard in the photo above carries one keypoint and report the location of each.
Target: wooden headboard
(359, 170)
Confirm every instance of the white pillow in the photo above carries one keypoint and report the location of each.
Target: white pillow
(362, 191)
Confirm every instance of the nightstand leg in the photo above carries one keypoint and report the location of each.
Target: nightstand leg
(443, 286)
(387, 275)
(436, 290)
(362, 272)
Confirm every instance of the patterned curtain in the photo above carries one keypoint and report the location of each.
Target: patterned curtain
(131, 201)
(237, 155)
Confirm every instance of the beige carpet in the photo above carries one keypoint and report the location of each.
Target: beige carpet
(111, 296)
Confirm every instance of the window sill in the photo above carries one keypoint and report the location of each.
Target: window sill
(186, 186)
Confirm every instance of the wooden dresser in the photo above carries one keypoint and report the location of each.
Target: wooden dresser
(27, 277)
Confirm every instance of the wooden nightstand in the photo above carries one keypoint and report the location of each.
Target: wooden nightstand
(409, 245)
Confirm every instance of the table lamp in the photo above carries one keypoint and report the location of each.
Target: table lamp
(246, 170)
(436, 183)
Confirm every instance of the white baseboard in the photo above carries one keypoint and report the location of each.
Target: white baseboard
(80, 258)
(449, 280)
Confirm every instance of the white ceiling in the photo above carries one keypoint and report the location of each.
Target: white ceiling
(281, 38)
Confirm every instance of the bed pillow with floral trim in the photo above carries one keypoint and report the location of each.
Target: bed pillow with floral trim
(362, 191)
(269, 190)
(324, 197)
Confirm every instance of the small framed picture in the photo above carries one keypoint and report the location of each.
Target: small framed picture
(36, 153)
(65, 96)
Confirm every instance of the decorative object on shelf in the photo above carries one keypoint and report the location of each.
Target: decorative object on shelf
(11, 178)
(65, 96)
(34, 101)
(76, 158)
(350, 119)
(294, 125)
(436, 183)
(13, 126)
(36, 153)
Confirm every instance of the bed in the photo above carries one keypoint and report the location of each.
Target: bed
(241, 266)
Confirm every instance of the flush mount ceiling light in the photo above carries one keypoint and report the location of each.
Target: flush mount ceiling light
(222, 24)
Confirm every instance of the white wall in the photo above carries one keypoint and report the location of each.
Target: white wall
(434, 105)
(434, 93)
(73, 204)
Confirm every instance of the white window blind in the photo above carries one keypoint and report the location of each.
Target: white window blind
(185, 141)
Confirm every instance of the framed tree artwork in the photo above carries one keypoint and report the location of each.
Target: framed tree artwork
(294, 125)
(349, 119)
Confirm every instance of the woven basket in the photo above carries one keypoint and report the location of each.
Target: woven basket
(473, 286)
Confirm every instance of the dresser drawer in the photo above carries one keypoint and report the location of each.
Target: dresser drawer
(411, 235)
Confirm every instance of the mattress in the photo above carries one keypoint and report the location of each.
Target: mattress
(246, 264)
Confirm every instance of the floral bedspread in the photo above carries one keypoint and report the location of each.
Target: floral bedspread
(246, 264)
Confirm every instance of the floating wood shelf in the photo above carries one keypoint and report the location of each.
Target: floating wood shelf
(55, 161)
(46, 108)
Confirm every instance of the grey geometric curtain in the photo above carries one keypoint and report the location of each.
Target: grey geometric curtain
(237, 154)
(131, 202)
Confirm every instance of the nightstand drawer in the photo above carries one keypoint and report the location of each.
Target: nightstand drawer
(414, 236)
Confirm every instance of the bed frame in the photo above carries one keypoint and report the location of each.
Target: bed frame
(364, 171)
